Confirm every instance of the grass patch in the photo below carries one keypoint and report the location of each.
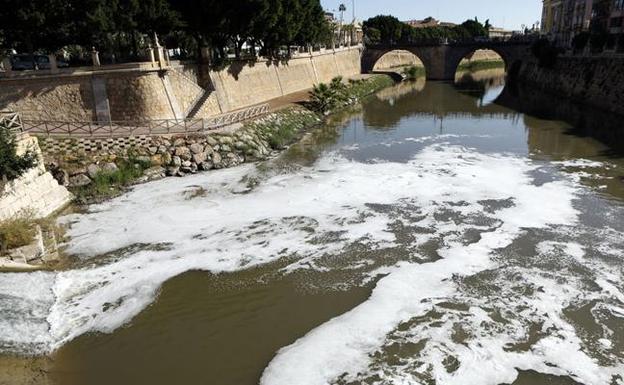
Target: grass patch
(22, 228)
(109, 184)
(17, 232)
(283, 127)
(481, 65)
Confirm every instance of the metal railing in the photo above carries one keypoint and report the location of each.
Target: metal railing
(113, 129)
(11, 121)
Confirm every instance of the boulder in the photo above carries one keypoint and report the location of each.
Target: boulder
(196, 148)
(216, 159)
(200, 158)
(109, 167)
(93, 169)
(79, 180)
(172, 171)
(206, 166)
(154, 173)
(156, 160)
(183, 152)
(176, 161)
(166, 158)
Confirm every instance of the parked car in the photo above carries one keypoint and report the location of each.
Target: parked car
(23, 62)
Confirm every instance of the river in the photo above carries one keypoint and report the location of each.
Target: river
(467, 233)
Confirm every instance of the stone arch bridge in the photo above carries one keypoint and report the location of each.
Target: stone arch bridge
(441, 60)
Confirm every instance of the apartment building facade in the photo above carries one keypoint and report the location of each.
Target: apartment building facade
(564, 19)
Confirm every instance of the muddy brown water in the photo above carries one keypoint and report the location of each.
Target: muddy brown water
(226, 328)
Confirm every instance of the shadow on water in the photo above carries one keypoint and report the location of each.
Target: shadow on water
(583, 121)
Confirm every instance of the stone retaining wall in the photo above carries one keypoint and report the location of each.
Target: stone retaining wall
(242, 85)
(152, 94)
(594, 81)
(36, 191)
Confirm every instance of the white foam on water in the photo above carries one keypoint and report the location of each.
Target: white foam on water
(343, 345)
(25, 301)
(226, 228)
(580, 163)
(213, 222)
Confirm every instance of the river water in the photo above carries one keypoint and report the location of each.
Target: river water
(465, 233)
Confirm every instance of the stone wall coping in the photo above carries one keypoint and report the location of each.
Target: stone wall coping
(328, 51)
(80, 71)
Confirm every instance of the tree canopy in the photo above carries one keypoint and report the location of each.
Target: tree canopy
(123, 26)
(389, 30)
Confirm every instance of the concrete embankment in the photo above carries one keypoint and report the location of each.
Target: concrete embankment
(81, 161)
(180, 91)
(593, 81)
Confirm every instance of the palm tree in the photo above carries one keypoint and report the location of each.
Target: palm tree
(342, 9)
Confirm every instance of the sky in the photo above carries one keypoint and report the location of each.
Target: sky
(509, 14)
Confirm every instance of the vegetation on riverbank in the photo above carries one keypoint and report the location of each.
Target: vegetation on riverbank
(328, 98)
(99, 176)
(16, 232)
(284, 128)
(414, 72)
(12, 165)
(21, 230)
(109, 183)
(481, 65)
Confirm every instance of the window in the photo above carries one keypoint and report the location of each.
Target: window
(619, 4)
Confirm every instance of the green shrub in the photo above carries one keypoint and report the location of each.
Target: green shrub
(413, 72)
(327, 97)
(480, 65)
(12, 166)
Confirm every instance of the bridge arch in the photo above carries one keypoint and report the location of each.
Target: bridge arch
(441, 61)
(397, 59)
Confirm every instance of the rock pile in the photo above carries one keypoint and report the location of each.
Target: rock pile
(188, 154)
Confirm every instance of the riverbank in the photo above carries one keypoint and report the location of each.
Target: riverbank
(99, 175)
(594, 81)
(94, 177)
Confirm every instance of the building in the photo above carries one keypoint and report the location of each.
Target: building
(499, 33)
(564, 19)
(616, 20)
(429, 22)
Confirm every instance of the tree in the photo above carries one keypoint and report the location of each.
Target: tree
(314, 27)
(475, 28)
(389, 28)
(36, 25)
(12, 166)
